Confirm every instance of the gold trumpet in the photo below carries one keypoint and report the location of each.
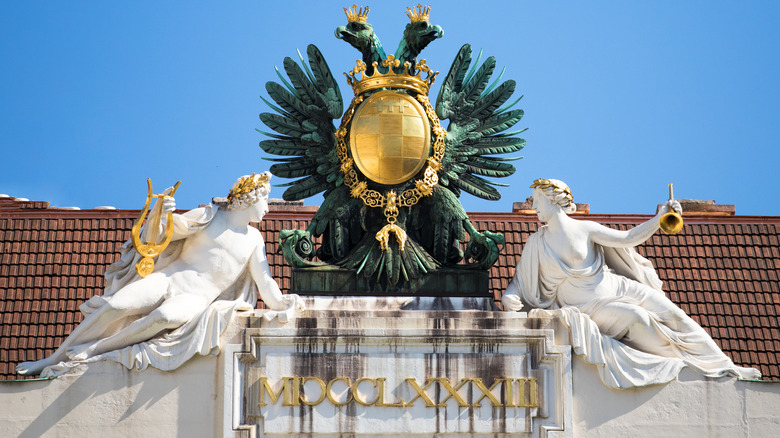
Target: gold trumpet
(671, 222)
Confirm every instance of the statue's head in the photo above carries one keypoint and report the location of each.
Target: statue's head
(249, 190)
(557, 192)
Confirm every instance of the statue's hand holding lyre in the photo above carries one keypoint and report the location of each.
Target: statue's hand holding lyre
(149, 247)
(168, 202)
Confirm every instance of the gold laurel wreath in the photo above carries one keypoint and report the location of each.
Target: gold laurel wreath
(557, 186)
(246, 185)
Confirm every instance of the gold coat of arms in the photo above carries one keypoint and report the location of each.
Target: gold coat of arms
(390, 137)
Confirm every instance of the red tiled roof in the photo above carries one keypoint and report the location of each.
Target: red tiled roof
(724, 271)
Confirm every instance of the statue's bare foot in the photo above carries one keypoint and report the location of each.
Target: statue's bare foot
(748, 373)
(32, 368)
(80, 352)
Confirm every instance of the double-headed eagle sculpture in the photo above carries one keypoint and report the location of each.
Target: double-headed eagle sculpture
(391, 172)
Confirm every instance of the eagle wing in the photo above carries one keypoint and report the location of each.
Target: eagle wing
(477, 125)
(307, 105)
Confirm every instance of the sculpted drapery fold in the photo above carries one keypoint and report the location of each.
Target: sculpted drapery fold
(599, 326)
(590, 277)
(215, 266)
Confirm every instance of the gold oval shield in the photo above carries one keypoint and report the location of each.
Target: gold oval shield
(390, 137)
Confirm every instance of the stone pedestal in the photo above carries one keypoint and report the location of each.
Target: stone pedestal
(345, 282)
(375, 358)
(397, 367)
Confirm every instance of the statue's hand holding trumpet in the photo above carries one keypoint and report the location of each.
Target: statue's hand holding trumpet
(671, 215)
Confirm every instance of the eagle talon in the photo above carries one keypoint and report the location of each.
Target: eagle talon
(297, 248)
(483, 247)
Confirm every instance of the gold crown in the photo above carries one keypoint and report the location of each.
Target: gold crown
(356, 14)
(405, 79)
(247, 184)
(421, 14)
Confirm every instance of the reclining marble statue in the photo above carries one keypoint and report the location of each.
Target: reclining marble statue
(591, 278)
(214, 266)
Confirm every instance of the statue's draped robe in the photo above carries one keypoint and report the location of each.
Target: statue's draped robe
(598, 324)
(170, 349)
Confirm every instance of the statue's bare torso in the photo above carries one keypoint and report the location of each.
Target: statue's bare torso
(212, 259)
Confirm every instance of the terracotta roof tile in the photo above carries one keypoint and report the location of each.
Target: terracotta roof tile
(721, 270)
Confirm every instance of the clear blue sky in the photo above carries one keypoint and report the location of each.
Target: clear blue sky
(621, 97)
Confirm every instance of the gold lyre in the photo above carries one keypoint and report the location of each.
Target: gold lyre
(149, 250)
(671, 222)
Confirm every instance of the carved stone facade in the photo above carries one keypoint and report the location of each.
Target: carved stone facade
(205, 397)
(403, 366)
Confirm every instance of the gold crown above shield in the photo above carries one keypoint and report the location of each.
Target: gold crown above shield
(405, 79)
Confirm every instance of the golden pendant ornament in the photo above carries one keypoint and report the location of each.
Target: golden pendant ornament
(390, 137)
(391, 213)
(145, 266)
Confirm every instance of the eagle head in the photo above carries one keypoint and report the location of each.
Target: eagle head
(357, 33)
(418, 35)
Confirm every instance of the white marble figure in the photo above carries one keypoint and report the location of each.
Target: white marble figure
(215, 266)
(609, 296)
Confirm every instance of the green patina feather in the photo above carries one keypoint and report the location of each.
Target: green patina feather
(272, 135)
(325, 81)
(500, 122)
(499, 145)
(477, 187)
(284, 125)
(303, 86)
(489, 103)
(305, 188)
(486, 166)
(476, 85)
(286, 147)
(290, 103)
(453, 80)
(293, 169)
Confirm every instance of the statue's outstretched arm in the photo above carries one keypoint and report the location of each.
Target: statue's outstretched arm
(628, 239)
(283, 307)
(261, 275)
